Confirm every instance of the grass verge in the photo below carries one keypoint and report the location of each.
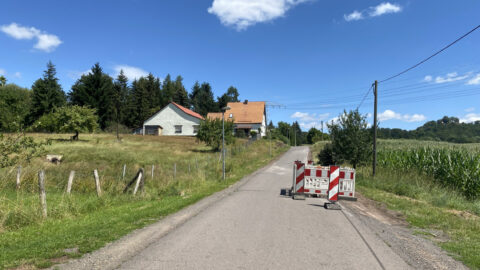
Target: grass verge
(430, 208)
(82, 222)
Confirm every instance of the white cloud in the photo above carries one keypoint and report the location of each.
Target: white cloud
(244, 13)
(18, 74)
(475, 80)
(471, 109)
(469, 118)
(354, 16)
(307, 120)
(381, 9)
(130, 72)
(45, 42)
(2, 72)
(389, 115)
(385, 8)
(428, 78)
(450, 77)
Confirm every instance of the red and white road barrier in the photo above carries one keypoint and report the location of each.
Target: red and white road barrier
(347, 183)
(316, 180)
(333, 182)
(299, 175)
(333, 185)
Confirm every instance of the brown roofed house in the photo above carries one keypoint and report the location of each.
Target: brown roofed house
(247, 116)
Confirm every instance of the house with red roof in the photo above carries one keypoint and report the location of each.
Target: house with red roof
(173, 120)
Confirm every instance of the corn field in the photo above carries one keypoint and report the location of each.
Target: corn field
(455, 168)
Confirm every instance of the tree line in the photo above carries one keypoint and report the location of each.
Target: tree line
(113, 101)
(445, 129)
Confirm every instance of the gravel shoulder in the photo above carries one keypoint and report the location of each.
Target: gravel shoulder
(391, 227)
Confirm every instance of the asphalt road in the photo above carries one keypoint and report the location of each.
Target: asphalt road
(256, 228)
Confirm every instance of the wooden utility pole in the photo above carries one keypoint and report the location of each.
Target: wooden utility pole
(375, 93)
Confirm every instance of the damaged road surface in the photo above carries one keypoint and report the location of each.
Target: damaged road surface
(253, 227)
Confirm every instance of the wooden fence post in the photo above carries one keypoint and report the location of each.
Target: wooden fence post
(174, 170)
(124, 169)
(137, 184)
(153, 169)
(97, 183)
(43, 195)
(70, 181)
(19, 173)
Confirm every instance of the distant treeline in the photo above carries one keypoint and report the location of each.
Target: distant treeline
(446, 129)
(113, 100)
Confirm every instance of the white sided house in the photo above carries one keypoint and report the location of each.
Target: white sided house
(173, 120)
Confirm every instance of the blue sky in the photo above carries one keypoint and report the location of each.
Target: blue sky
(315, 57)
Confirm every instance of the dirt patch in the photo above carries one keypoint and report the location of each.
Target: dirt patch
(417, 247)
(24, 267)
(376, 210)
(463, 214)
(59, 259)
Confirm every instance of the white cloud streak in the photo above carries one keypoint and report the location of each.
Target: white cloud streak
(242, 14)
(132, 73)
(45, 42)
(381, 9)
(385, 8)
(391, 115)
(354, 16)
(3, 72)
(307, 120)
(469, 118)
(451, 77)
(475, 80)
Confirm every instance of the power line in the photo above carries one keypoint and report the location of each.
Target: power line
(431, 56)
(364, 97)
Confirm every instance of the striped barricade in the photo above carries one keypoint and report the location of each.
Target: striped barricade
(316, 180)
(333, 182)
(298, 180)
(347, 184)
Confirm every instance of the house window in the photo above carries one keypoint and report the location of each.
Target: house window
(195, 129)
(231, 115)
(178, 129)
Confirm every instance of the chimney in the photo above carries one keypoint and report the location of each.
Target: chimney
(245, 102)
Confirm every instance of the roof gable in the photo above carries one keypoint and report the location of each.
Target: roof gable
(250, 112)
(188, 111)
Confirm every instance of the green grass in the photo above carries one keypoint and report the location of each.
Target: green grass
(85, 222)
(425, 203)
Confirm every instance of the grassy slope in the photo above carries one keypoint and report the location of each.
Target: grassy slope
(84, 222)
(426, 205)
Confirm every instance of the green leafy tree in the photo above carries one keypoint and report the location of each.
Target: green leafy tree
(18, 148)
(351, 139)
(95, 90)
(180, 95)
(3, 80)
(314, 135)
(230, 96)
(210, 132)
(68, 119)
(47, 94)
(15, 103)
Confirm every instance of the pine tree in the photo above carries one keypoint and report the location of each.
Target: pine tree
(47, 94)
(95, 90)
(180, 96)
(202, 99)
(121, 91)
(168, 90)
